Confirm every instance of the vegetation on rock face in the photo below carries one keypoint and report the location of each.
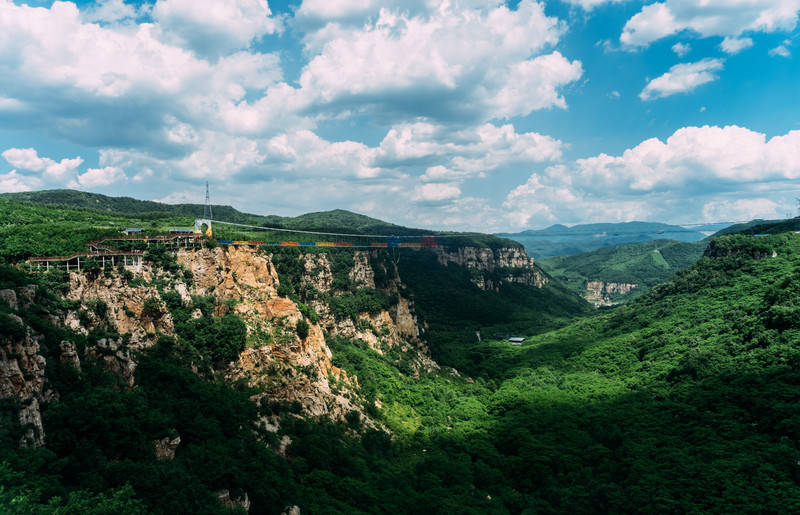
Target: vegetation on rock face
(346, 298)
(219, 338)
(302, 329)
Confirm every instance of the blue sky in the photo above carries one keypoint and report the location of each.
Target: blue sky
(456, 115)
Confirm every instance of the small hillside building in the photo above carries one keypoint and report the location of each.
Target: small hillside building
(516, 340)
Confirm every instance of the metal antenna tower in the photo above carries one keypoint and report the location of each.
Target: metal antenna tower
(207, 214)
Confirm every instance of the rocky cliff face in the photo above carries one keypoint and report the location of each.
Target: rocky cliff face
(493, 266)
(395, 327)
(283, 365)
(129, 307)
(109, 302)
(288, 367)
(22, 370)
(601, 293)
(22, 363)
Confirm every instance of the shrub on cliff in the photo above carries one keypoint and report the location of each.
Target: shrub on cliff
(152, 308)
(302, 329)
(219, 338)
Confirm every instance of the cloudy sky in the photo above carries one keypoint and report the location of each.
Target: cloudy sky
(462, 114)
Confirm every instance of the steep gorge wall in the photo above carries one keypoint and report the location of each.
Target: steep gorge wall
(282, 364)
(395, 327)
(22, 373)
(130, 308)
(289, 367)
(493, 266)
(125, 312)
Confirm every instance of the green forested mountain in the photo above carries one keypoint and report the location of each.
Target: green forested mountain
(37, 225)
(763, 227)
(147, 209)
(644, 264)
(685, 400)
(559, 240)
(160, 215)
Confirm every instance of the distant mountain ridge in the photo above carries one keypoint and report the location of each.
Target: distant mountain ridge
(559, 239)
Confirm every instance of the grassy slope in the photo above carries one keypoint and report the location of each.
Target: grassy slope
(646, 264)
(327, 220)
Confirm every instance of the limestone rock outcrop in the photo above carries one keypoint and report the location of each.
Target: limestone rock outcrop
(600, 293)
(285, 366)
(22, 370)
(112, 303)
(362, 273)
(227, 500)
(230, 272)
(9, 296)
(164, 448)
(494, 266)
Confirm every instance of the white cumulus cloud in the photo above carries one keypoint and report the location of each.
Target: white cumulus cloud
(732, 46)
(99, 177)
(216, 27)
(28, 159)
(727, 18)
(436, 192)
(691, 169)
(401, 65)
(743, 209)
(117, 85)
(13, 182)
(682, 78)
(681, 49)
(780, 51)
(465, 152)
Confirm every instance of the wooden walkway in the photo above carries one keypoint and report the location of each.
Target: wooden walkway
(105, 255)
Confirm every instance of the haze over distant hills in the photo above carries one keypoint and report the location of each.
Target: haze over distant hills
(558, 240)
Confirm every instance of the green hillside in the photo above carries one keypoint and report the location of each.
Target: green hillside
(49, 223)
(684, 401)
(644, 264)
(763, 227)
(147, 209)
